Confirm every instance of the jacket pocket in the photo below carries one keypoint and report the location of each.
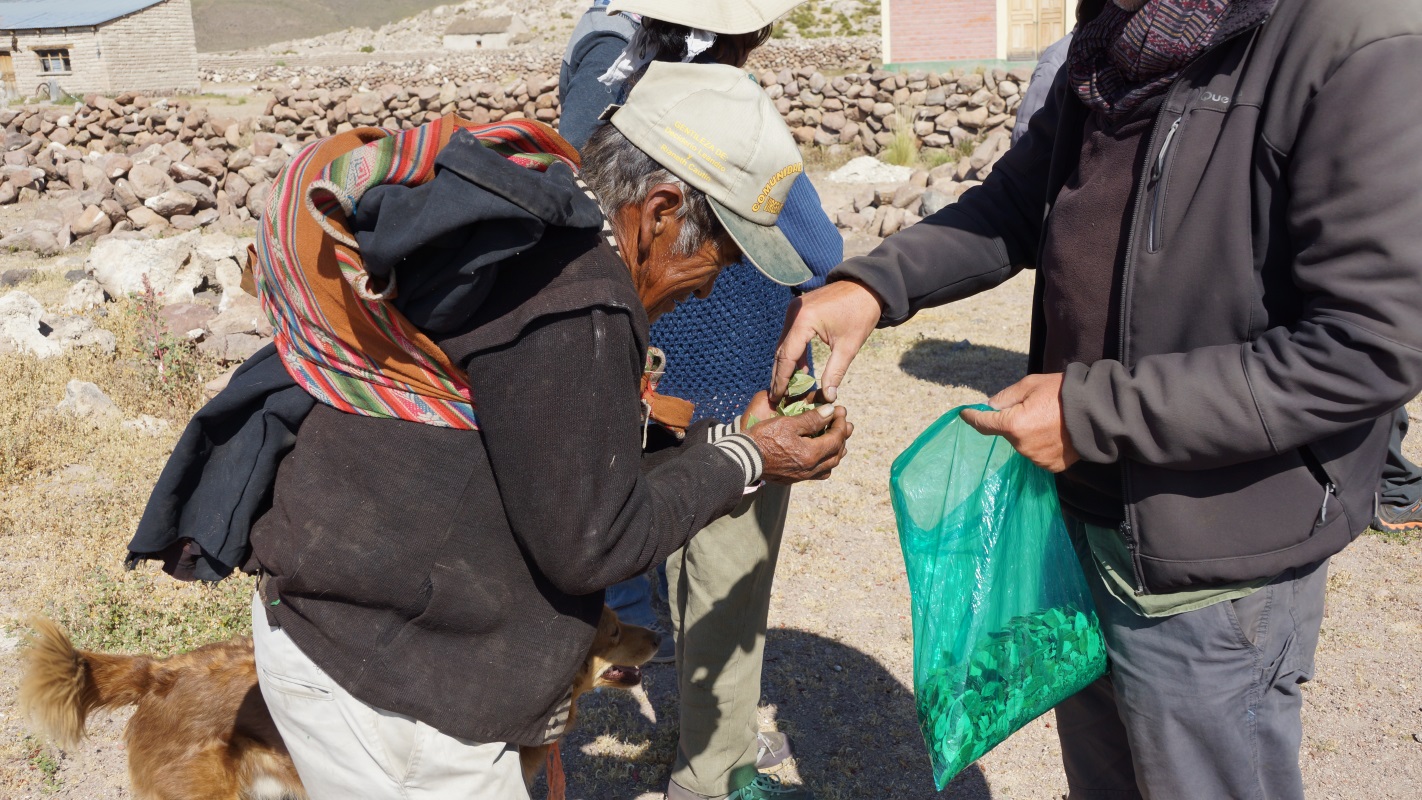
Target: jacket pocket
(296, 687)
(1329, 488)
(1230, 524)
(1159, 175)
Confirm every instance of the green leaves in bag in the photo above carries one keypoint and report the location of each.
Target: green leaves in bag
(1013, 675)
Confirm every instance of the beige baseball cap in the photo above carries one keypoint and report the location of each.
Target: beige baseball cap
(712, 126)
(717, 16)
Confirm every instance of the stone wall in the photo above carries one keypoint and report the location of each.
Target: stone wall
(88, 73)
(353, 68)
(139, 163)
(153, 50)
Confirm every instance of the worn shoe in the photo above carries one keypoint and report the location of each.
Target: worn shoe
(1396, 519)
(764, 787)
(666, 651)
(772, 748)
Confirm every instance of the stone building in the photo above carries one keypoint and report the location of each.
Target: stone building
(481, 33)
(948, 31)
(105, 46)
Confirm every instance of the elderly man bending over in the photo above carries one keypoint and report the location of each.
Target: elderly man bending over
(472, 478)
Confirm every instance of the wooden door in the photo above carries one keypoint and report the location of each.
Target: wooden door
(7, 74)
(1022, 30)
(1051, 23)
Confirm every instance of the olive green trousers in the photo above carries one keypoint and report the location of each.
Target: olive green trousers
(719, 592)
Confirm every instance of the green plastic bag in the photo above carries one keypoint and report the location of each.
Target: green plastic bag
(1003, 623)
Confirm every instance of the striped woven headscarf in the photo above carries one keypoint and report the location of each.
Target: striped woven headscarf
(1135, 49)
(338, 334)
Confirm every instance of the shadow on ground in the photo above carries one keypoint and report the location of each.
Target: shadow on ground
(853, 725)
(984, 368)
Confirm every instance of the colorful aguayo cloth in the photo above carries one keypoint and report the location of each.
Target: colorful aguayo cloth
(338, 335)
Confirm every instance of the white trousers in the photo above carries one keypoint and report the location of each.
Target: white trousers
(345, 749)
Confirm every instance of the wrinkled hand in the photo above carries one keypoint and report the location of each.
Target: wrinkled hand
(804, 447)
(1029, 416)
(842, 315)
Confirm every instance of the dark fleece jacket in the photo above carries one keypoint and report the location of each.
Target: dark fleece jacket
(1268, 323)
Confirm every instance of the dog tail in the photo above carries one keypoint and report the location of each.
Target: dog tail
(62, 685)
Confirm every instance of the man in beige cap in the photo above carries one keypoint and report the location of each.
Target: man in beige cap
(720, 349)
(720, 587)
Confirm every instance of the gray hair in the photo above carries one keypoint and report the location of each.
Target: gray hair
(621, 174)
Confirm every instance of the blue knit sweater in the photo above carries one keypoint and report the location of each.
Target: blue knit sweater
(719, 350)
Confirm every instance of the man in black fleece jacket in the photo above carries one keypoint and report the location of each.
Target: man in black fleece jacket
(1229, 267)
(428, 593)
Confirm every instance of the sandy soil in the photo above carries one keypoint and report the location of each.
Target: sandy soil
(839, 654)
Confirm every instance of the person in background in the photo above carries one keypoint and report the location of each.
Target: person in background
(1039, 87)
(1228, 272)
(720, 351)
(1398, 506)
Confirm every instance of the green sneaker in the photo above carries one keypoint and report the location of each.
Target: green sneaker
(764, 787)
(769, 787)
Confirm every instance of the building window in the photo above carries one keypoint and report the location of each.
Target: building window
(53, 62)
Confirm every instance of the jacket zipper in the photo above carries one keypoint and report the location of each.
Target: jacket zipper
(1131, 547)
(1320, 474)
(1157, 180)
(1127, 527)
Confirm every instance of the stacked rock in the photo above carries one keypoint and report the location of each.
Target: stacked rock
(348, 67)
(868, 110)
(133, 162)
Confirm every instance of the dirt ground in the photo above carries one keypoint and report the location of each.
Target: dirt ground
(838, 657)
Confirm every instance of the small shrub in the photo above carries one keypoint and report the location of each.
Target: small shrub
(173, 359)
(43, 761)
(937, 158)
(367, 48)
(903, 150)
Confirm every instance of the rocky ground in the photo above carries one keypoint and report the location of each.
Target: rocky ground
(76, 462)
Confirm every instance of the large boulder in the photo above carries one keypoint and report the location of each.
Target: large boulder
(244, 314)
(186, 320)
(173, 266)
(84, 295)
(20, 325)
(79, 331)
(148, 181)
(86, 400)
(36, 239)
(226, 253)
(91, 220)
(172, 202)
(231, 348)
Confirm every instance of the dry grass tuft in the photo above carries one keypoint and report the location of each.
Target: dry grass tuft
(72, 490)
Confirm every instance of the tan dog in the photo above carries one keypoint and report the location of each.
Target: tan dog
(202, 730)
(615, 661)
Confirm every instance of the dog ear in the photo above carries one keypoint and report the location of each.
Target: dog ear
(609, 625)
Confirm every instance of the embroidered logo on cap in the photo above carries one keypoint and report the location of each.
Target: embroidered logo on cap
(764, 199)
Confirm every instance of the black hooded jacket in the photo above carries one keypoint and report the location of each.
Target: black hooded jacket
(456, 576)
